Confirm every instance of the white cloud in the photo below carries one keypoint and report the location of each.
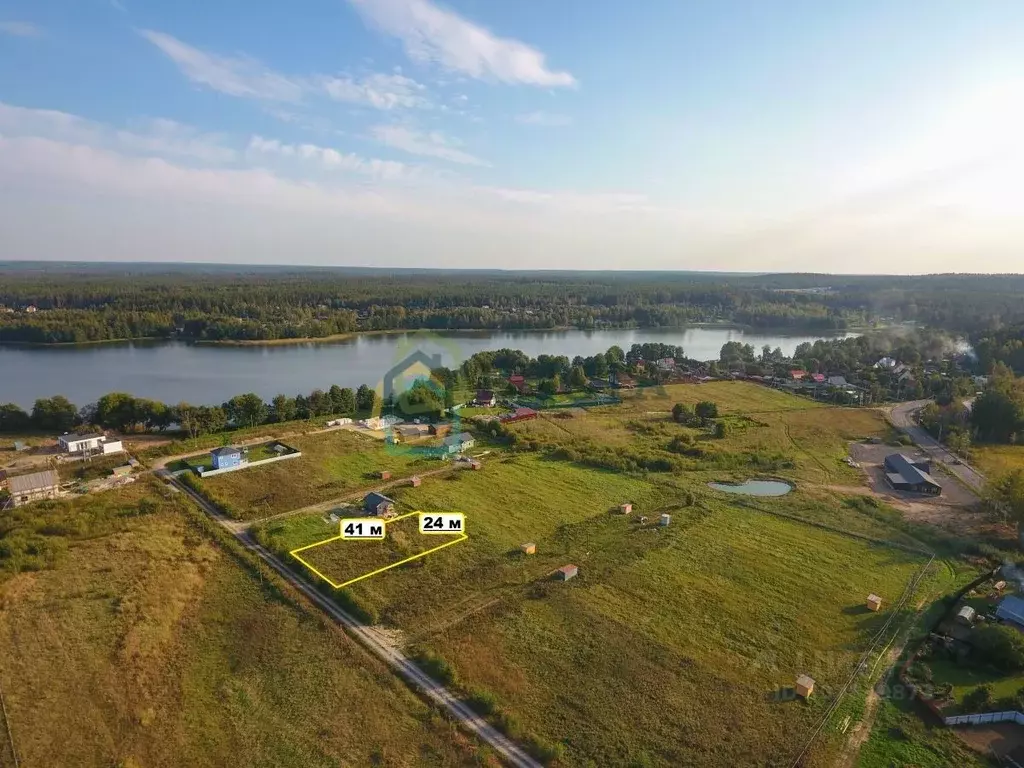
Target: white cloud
(379, 90)
(543, 118)
(149, 136)
(439, 36)
(233, 75)
(20, 29)
(332, 159)
(431, 144)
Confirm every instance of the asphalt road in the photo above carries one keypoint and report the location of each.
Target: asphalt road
(376, 643)
(903, 418)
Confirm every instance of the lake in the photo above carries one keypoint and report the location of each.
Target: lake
(198, 373)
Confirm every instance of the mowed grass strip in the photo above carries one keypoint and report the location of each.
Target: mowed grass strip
(332, 464)
(174, 656)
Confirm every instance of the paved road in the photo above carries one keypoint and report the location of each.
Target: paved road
(376, 643)
(903, 418)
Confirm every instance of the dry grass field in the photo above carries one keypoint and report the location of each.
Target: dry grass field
(143, 644)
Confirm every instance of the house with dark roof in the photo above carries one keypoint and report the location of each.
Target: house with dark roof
(484, 397)
(378, 505)
(520, 414)
(226, 457)
(1011, 608)
(905, 475)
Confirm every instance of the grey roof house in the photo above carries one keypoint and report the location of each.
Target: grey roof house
(906, 475)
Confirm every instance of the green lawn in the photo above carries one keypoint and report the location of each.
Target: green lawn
(715, 613)
(901, 738)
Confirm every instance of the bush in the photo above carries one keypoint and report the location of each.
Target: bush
(721, 429)
(706, 409)
(977, 700)
(1000, 646)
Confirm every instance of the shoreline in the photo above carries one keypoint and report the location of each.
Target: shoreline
(351, 335)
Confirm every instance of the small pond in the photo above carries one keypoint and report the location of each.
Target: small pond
(755, 487)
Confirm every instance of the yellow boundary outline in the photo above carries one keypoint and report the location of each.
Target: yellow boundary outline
(295, 553)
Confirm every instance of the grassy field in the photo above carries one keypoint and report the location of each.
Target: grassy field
(139, 642)
(795, 438)
(332, 464)
(901, 738)
(716, 613)
(995, 460)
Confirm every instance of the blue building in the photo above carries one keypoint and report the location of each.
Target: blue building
(224, 458)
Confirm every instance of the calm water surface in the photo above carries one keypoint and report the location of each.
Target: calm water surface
(755, 488)
(175, 371)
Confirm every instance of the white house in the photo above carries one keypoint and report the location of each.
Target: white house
(73, 443)
(92, 443)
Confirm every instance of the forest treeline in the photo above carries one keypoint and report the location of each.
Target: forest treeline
(87, 305)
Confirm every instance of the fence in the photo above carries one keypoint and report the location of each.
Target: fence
(986, 717)
(247, 464)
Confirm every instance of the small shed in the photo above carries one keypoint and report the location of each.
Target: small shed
(804, 686)
(384, 474)
(874, 602)
(567, 572)
(966, 615)
(665, 520)
(378, 505)
(440, 429)
(474, 464)
(415, 481)
(625, 508)
(529, 548)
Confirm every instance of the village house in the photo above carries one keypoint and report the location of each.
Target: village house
(519, 414)
(485, 398)
(378, 505)
(440, 430)
(87, 444)
(25, 489)
(458, 443)
(226, 457)
(905, 475)
(518, 381)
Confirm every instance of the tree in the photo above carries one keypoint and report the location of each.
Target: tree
(366, 399)
(1006, 494)
(999, 645)
(248, 409)
(977, 700)
(344, 399)
(283, 407)
(188, 417)
(706, 409)
(577, 377)
(547, 387)
(997, 415)
(721, 429)
(13, 418)
(116, 410)
(54, 414)
(153, 414)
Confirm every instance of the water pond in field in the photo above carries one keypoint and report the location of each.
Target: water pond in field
(755, 487)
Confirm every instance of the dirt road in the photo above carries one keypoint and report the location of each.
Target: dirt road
(374, 641)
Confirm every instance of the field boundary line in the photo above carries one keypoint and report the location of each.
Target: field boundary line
(295, 553)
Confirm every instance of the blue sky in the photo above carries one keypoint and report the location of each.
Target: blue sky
(848, 137)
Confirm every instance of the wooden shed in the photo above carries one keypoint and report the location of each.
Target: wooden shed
(804, 686)
(529, 548)
(384, 474)
(415, 481)
(566, 572)
(874, 602)
(625, 508)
